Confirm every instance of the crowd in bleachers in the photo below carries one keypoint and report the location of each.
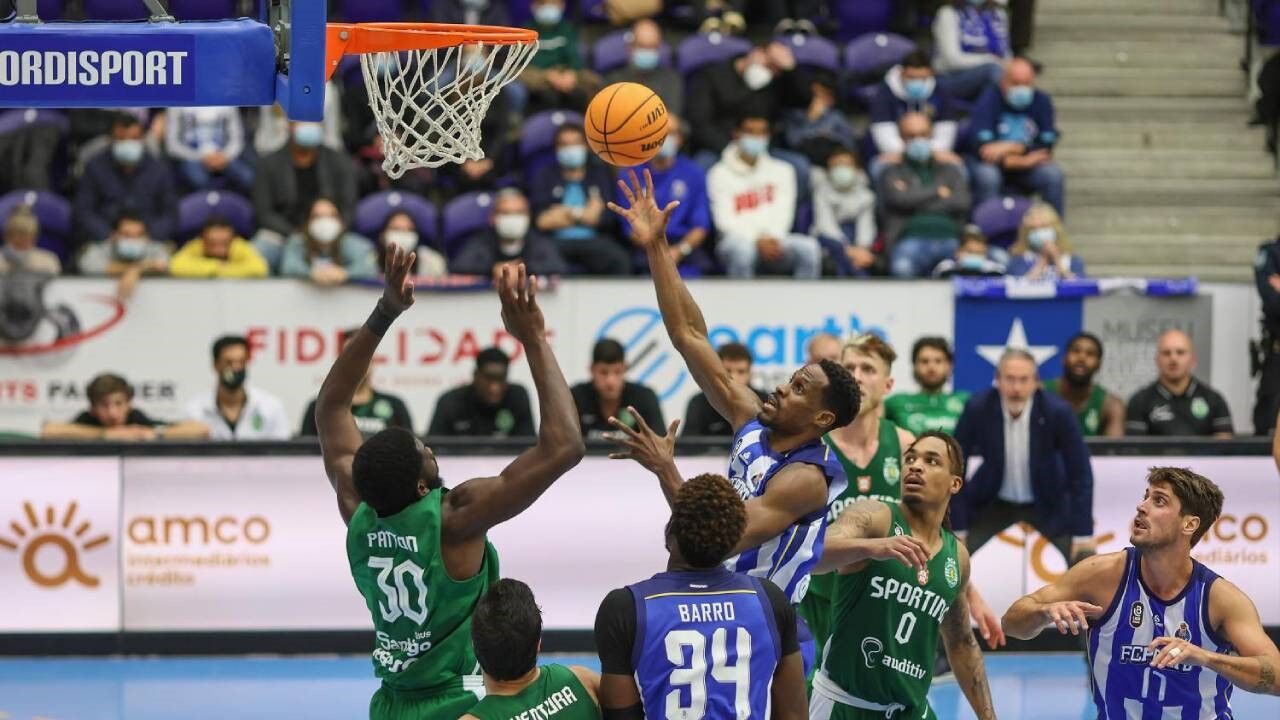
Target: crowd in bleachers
(806, 139)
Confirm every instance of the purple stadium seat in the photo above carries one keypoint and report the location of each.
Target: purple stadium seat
(870, 56)
(812, 50)
(464, 216)
(1267, 20)
(203, 9)
(196, 208)
(537, 136)
(591, 11)
(855, 19)
(373, 212)
(613, 50)
(115, 10)
(999, 218)
(521, 12)
(696, 51)
(372, 10)
(54, 213)
(11, 120)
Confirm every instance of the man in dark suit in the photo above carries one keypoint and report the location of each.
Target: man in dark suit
(1034, 463)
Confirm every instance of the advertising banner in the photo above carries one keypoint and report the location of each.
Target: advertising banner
(59, 544)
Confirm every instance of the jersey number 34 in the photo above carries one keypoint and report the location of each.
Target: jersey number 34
(694, 675)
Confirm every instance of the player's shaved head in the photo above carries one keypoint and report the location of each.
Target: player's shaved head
(506, 630)
(707, 520)
(392, 469)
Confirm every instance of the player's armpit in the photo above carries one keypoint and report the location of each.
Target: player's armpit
(797, 490)
(1258, 658)
(590, 680)
(845, 539)
(787, 696)
(1092, 581)
(620, 698)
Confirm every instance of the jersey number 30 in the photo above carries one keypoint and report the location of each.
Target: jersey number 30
(400, 595)
(694, 675)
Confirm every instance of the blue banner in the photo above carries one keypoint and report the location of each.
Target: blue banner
(1021, 289)
(985, 328)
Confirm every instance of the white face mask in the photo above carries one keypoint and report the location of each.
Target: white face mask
(843, 176)
(406, 239)
(511, 227)
(757, 75)
(131, 248)
(325, 229)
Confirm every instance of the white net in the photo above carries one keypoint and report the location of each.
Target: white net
(429, 104)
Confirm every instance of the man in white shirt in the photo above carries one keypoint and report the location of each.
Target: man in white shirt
(236, 411)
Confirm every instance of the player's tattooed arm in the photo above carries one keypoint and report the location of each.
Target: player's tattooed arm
(1254, 665)
(962, 648)
(861, 533)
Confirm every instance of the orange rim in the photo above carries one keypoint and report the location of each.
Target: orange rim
(362, 38)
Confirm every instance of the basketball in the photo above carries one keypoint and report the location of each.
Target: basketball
(626, 124)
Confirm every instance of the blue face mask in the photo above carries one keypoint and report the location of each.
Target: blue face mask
(645, 58)
(572, 156)
(919, 150)
(918, 90)
(753, 145)
(977, 3)
(1019, 97)
(972, 262)
(1040, 237)
(548, 14)
(308, 135)
(127, 152)
(668, 149)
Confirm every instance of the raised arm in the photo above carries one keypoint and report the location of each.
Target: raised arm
(1068, 604)
(478, 504)
(861, 533)
(795, 491)
(962, 648)
(681, 315)
(339, 436)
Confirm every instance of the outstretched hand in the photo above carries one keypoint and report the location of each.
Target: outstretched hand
(642, 444)
(520, 312)
(648, 221)
(398, 293)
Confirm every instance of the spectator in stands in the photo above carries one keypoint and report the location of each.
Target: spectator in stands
(970, 43)
(933, 408)
(758, 84)
(925, 202)
(495, 139)
(822, 346)
(702, 420)
(1014, 131)
(401, 230)
(469, 12)
(753, 205)
(488, 406)
(973, 257)
(1042, 250)
(911, 87)
(326, 251)
(129, 253)
(511, 239)
(844, 212)
(26, 156)
(288, 183)
(609, 395)
(275, 129)
(218, 253)
(555, 77)
(1266, 276)
(373, 411)
(568, 201)
(208, 142)
(236, 411)
(125, 178)
(1051, 489)
(112, 416)
(677, 177)
(645, 67)
(1098, 411)
(19, 252)
(815, 128)
(1177, 403)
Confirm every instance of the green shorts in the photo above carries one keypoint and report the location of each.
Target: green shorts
(390, 704)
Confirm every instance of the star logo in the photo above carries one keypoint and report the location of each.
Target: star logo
(1017, 340)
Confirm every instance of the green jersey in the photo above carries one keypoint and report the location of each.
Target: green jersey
(887, 616)
(556, 694)
(1090, 416)
(918, 412)
(422, 617)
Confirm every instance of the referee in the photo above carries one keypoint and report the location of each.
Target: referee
(1177, 403)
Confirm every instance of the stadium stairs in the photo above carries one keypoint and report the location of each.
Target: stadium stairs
(1163, 176)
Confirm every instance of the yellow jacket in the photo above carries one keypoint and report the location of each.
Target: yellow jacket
(243, 261)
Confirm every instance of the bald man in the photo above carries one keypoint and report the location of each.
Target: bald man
(1177, 404)
(823, 346)
(645, 66)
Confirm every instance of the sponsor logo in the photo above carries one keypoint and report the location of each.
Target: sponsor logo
(56, 533)
(33, 325)
(951, 572)
(1183, 632)
(1200, 408)
(1141, 655)
(178, 550)
(1136, 612)
(90, 67)
(872, 651)
(864, 484)
(891, 471)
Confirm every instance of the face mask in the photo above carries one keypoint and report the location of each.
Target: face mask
(232, 379)
(548, 14)
(918, 89)
(127, 152)
(1019, 97)
(645, 58)
(572, 156)
(511, 227)
(131, 248)
(406, 239)
(1040, 237)
(920, 150)
(756, 76)
(977, 3)
(669, 148)
(972, 262)
(325, 229)
(753, 146)
(843, 176)
(308, 135)
(476, 4)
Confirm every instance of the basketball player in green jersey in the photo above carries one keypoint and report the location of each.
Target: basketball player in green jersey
(506, 630)
(902, 583)
(417, 551)
(1098, 411)
(932, 408)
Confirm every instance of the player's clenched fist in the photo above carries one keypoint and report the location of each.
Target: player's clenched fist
(1071, 616)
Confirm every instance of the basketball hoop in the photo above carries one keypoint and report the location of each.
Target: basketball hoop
(430, 84)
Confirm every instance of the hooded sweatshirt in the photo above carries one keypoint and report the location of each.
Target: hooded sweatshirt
(752, 201)
(891, 103)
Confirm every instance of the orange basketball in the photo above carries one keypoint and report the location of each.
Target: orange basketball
(626, 124)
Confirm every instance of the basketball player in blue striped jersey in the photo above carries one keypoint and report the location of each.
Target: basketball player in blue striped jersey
(778, 463)
(1168, 638)
(699, 641)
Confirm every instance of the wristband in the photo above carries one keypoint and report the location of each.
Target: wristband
(380, 320)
